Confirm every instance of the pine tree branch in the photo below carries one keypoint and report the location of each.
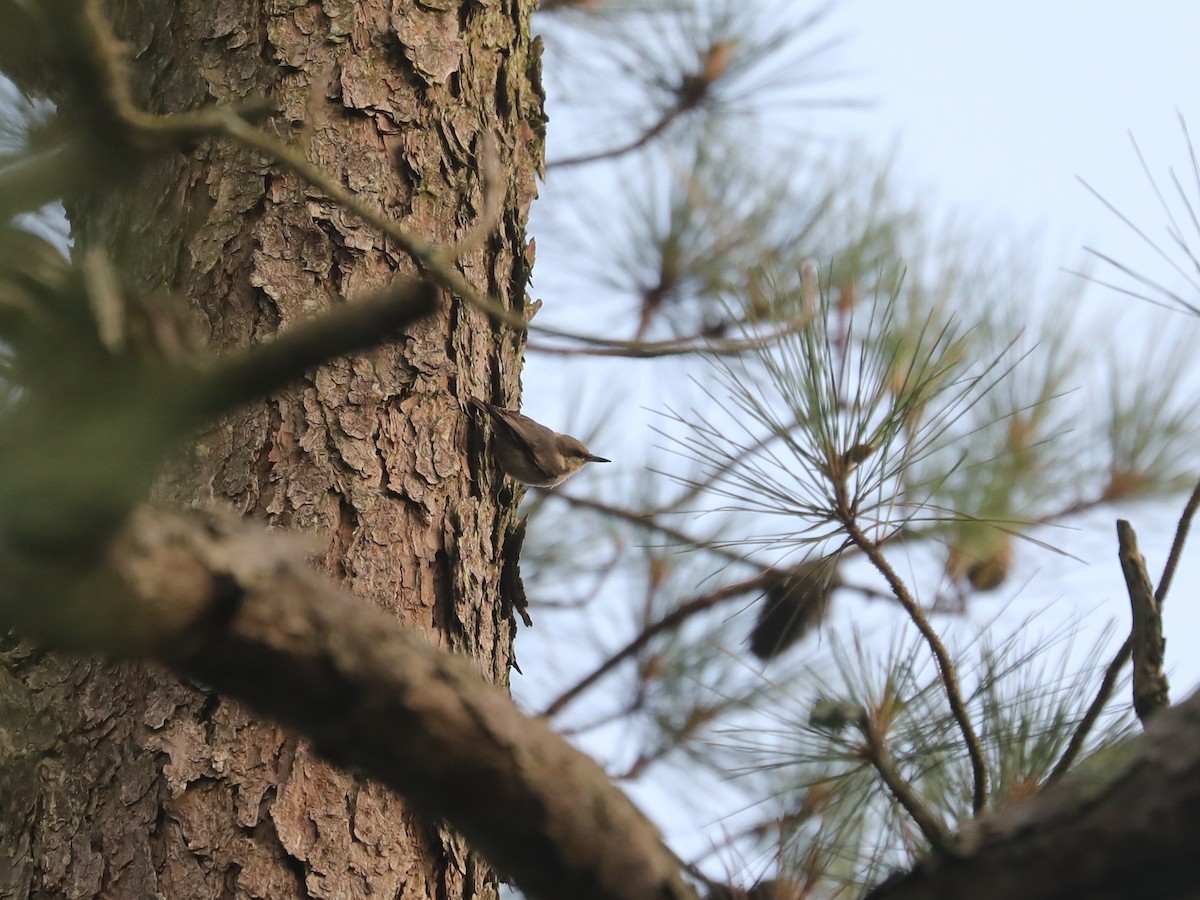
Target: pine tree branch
(1086, 836)
(681, 346)
(1107, 683)
(649, 521)
(636, 143)
(266, 367)
(946, 670)
(902, 790)
(237, 608)
(673, 619)
(1181, 534)
(103, 80)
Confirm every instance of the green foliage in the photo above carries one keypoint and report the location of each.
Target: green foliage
(830, 819)
(92, 403)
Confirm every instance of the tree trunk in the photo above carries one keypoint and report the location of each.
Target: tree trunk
(120, 780)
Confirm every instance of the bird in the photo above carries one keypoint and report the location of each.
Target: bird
(532, 453)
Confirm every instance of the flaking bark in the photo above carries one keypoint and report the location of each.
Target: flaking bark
(123, 781)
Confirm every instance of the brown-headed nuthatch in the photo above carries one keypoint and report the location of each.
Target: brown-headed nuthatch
(532, 453)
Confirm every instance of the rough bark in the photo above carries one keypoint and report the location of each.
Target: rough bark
(122, 781)
(236, 607)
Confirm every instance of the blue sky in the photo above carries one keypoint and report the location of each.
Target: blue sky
(995, 108)
(991, 112)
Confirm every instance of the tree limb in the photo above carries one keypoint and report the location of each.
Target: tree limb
(225, 602)
(1150, 692)
(269, 366)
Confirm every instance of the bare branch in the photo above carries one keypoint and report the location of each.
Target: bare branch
(269, 366)
(1150, 692)
(671, 620)
(1181, 533)
(650, 522)
(1111, 673)
(941, 656)
(656, 128)
(681, 346)
(152, 132)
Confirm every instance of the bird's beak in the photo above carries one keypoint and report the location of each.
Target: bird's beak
(591, 458)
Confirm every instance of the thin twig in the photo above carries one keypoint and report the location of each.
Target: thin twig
(946, 670)
(223, 120)
(432, 261)
(663, 123)
(1111, 673)
(672, 619)
(429, 258)
(682, 346)
(926, 819)
(651, 523)
(1181, 533)
(268, 366)
(32, 180)
(227, 121)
